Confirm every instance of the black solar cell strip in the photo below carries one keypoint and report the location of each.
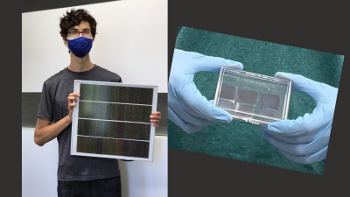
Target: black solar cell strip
(92, 148)
(95, 95)
(135, 148)
(80, 127)
(148, 113)
(139, 131)
(105, 146)
(127, 114)
(114, 112)
(94, 110)
(108, 113)
(87, 127)
(126, 148)
(93, 127)
(83, 91)
(115, 94)
(134, 112)
(149, 96)
(86, 91)
(127, 129)
(106, 129)
(133, 133)
(80, 144)
(99, 142)
(122, 95)
(120, 112)
(93, 92)
(101, 110)
(113, 129)
(88, 110)
(99, 129)
(82, 108)
(130, 131)
(135, 95)
(141, 112)
(105, 115)
(89, 92)
(145, 128)
(144, 150)
(145, 113)
(112, 146)
(119, 147)
(102, 93)
(128, 93)
(86, 144)
(120, 129)
(142, 95)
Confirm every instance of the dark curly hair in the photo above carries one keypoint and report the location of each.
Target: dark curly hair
(73, 18)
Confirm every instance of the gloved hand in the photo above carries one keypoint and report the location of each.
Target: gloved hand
(187, 108)
(305, 140)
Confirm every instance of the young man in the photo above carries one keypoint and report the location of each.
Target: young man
(77, 175)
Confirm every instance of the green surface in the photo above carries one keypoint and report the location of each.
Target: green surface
(240, 140)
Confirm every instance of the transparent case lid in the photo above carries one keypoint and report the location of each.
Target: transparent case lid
(251, 97)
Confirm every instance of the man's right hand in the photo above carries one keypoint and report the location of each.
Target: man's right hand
(71, 104)
(187, 107)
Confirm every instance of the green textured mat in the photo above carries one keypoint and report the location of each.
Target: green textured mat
(240, 140)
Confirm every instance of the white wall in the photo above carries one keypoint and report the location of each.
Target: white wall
(39, 166)
(139, 178)
(131, 40)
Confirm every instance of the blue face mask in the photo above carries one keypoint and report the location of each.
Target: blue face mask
(80, 46)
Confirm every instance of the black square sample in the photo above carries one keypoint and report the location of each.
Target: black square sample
(227, 92)
(246, 96)
(270, 101)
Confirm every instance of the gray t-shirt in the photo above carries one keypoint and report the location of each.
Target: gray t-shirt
(54, 106)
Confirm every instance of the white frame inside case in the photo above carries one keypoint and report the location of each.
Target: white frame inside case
(257, 76)
(76, 113)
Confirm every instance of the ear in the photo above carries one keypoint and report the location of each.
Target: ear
(93, 39)
(65, 40)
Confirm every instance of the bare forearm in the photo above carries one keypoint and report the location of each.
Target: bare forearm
(44, 134)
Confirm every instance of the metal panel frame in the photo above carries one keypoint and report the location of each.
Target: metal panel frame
(76, 113)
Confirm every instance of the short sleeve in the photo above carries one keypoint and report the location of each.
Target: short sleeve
(117, 79)
(46, 104)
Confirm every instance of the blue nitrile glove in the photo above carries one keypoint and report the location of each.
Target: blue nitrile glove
(305, 140)
(187, 108)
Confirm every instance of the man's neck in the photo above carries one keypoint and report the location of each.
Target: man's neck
(80, 64)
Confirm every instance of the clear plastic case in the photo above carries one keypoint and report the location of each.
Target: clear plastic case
(252, 97)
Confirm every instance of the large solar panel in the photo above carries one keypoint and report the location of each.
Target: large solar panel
(112, 120)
